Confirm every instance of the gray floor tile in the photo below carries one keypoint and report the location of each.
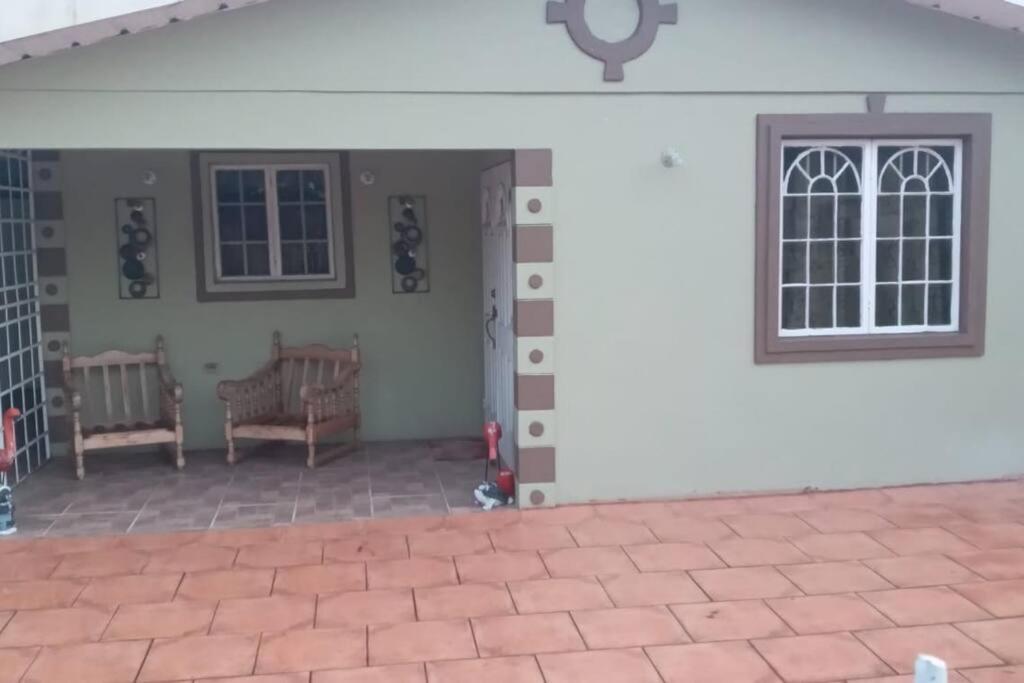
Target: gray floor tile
(235, 516)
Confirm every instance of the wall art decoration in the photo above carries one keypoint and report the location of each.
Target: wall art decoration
(407, 228)
(138, 267)
(614, 55)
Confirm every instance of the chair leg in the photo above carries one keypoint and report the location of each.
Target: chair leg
(311, 458)
(180, 457)
(232, 458)
(79, 465)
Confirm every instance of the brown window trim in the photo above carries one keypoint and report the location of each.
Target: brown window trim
(975, 130)
(266, 291)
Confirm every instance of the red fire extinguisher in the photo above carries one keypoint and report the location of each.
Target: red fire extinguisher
(506, 480)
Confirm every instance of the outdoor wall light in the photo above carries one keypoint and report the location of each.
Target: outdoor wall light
(367, 178)
(671, 158)
(149, 177)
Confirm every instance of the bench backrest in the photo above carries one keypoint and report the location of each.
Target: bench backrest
(117, 387)
(307, 365)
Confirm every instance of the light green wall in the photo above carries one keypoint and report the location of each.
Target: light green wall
(657, 391)
(422, 355)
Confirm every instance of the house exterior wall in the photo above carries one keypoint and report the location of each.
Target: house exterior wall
(658, 394)
(417, 348)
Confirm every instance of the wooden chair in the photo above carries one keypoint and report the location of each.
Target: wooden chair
(305, 394)
(121, 399)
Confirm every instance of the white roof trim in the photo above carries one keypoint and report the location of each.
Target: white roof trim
(1008, 14)
(96, 30)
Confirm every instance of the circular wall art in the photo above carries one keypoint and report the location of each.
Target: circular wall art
(138, 269)
(410, 261)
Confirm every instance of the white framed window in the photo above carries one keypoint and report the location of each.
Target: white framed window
(869, 236)
(272, 221)
(272, 225)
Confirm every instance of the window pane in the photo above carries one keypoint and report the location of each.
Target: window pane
(313, 186)
(291, 222)
(228, 186)
(252, 187)
(848, 261)
(794, 217)
(293, 260)
(940, 259)
(913, 260)
(315, 221)
(913, 305)
(848, 306)
(255, 223)
(822, 217)
(288, 186)
(232, 260)
(914, 216)
(229, 222)
(316, 257)
(887, 259)
(794, 262)
(821, 307)
(794, 302)
(849, 216)
(941, 218)
(888, 216)
(940, 304)
(886, 305)
(257, 258)
(822, 265)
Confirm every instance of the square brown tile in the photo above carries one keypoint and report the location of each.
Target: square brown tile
(841, 520)
(1000, 598)
(361, 548)
(416, 572)
(531, 537)
(125, 590)
(835, 656)
(711, 663)
(828, 614)
(40, 594)
(689, 529)
(520, 565)
(15, 661)
(899, 647)
(558, 595)
(839, 547)
(100, 563)
(320, 578)
(1004, 637)
(421, 641)
(468, 600)
(396, 673)
(280, 554)
(194, 557)
(924, 541)
(226, 584)
(995, 565)
(744, 583)
(593, 561)
(55, 626)
(920, 606)
(652, 588)
(609, 666)
(180, 659)
(596, 531)
(87, 663)
(256, 615)
(446, 542)
(738, 620)
(492, 670)
(606, 629)
(920, 570)
(753, 552)
(160, 620)
(526, 634)
(390, 606)
(768, 525)
(834, 577)
(992, 536)
(667, 557)
(311, 650)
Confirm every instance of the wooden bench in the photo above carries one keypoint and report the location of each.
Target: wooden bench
(120, 399)
(305, 394)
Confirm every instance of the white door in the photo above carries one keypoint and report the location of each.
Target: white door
(499, 290)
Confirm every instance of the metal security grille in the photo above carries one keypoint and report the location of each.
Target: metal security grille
(21, 360)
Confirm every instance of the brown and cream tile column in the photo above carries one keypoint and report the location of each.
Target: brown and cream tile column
(52, 274)
(534, 326)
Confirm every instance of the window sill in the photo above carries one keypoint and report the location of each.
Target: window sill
(869, 347)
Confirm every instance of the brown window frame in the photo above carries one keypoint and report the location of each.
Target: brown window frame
(975, 132)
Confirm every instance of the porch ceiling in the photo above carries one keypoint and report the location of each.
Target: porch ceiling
(1005, 14)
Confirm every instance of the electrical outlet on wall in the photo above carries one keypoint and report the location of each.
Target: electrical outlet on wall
(212, 368)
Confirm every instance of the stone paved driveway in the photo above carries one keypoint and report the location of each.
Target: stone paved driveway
(818, 588)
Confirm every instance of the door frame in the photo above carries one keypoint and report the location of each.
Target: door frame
(533, 325)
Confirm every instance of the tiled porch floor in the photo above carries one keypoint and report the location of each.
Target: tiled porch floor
(807, 588)
(143, 493)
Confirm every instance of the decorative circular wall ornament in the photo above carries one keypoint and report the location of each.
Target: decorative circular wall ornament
(535, 282)
(614, 55)
(537, 497)
(52, 289)
(536, 356)
(48, 232)
(536, 429)
(534, 206)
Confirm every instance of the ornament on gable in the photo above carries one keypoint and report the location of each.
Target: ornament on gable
(614, 55)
